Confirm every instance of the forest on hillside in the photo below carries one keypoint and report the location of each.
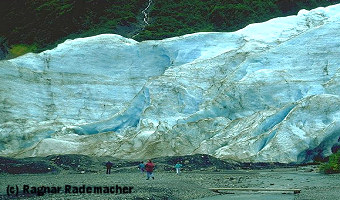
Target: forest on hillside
(37, 25)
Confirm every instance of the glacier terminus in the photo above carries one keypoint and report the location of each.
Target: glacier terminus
(269, 92)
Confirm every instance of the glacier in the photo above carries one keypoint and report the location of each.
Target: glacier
(266, 93)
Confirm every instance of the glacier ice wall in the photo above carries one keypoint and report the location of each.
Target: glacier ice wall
(268, 92)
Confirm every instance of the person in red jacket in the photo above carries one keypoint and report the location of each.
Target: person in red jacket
(149, 166)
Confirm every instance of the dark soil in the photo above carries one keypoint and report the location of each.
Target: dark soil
(90, 164)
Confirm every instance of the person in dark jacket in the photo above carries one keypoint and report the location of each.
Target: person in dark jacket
(108, 167)
(149, 167)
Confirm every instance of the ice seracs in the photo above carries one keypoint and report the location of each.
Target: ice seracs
(268, 92)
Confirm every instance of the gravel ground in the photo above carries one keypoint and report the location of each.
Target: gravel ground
(189, 185)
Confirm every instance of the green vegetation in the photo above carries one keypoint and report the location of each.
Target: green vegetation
(21, 49)
(45, 23)
(177, 17)
(333, 164)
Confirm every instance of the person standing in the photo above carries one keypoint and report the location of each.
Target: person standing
(108, 167)
(141, 167)
(149, 167)
(178, 167)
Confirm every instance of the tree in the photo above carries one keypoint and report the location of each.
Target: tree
(333, 164)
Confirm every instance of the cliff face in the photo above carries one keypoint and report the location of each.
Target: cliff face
(268, 92)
